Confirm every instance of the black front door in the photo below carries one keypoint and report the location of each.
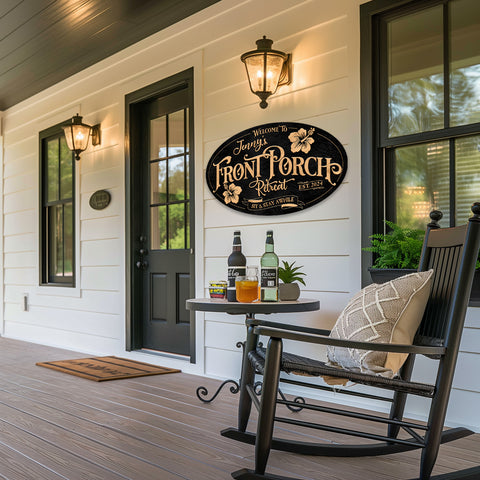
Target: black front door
(161, 240)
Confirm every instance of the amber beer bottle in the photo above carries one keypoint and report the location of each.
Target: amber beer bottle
(236, 266)
(269, 272)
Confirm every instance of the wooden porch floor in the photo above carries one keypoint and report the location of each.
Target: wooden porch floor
(55, 426)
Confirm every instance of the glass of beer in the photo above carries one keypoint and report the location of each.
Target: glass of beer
(247, 286)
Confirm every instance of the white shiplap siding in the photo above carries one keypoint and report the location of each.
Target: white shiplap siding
(324, 39)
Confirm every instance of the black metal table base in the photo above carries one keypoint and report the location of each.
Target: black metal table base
(202, 391)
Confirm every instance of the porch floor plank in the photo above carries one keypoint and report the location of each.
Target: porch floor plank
(56, 426)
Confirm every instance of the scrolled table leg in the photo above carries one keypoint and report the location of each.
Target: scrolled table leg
(202, 391)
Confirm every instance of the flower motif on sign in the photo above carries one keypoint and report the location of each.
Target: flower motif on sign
(231, 193)
(301, 140)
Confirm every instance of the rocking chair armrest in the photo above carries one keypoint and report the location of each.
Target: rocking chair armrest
(335, 342)
(285, 326)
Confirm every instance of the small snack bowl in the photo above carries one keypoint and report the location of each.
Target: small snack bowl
(218, 290)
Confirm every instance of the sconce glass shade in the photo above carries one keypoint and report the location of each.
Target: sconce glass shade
(266, 69)
(77, 135)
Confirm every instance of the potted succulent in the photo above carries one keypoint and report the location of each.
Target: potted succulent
(289, 289)
(397, 252)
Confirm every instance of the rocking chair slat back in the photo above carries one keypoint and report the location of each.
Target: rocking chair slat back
(441, 254)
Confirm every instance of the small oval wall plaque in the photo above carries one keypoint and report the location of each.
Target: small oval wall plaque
(100, 199)
(276, 168)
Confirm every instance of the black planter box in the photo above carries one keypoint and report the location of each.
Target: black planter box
(382, 275)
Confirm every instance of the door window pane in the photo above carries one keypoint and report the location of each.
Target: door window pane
(176, 179)
(176, 133)
(169, 180)
(422, 183)
(158, 181)
(158, 138)
(415, 72)
(465, 62)
(467, 176)
(176, 226)
(158, 224)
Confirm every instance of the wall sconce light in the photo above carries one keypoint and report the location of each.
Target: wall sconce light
(267, 69)
(78, 133)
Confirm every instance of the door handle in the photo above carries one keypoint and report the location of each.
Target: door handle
(142, 264)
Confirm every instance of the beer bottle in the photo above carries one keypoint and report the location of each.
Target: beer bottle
(269, 272)
(236, 266)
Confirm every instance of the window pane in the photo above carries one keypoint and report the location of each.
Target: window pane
(187, 225)
(158, 138)
(176, 179)
(176, 226)
(68, 240)
(465, 62)
(187, 139)
(187, 182)
(52, 173)
(176, 135)
(422, 183)
(158, 228)
(158, 180)
(467, 176)
(66, 165)
(55, 230)
(415, 73)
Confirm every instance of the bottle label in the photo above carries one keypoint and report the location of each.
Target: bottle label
(234, 272)
(269, 277)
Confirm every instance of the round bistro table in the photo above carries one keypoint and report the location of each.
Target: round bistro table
(249, 310)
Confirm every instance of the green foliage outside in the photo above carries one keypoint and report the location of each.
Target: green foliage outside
(289, 274)
(400, 248)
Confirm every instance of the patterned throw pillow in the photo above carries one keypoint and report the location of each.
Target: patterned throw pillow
(381, 313)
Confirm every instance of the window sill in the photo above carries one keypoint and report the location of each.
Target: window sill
(56, 291)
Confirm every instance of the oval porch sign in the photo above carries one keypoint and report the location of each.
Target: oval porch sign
(276, 168)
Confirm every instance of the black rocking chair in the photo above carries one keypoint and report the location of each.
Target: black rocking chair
(452, 254)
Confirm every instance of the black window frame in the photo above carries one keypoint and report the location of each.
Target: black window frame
(377, 184)
(46, 278)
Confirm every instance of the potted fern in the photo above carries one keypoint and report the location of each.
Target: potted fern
(289, 290)
(397, 252)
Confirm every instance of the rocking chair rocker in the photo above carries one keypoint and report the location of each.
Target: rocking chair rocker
(452, 254)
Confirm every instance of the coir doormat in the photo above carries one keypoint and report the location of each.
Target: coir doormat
(101, 369)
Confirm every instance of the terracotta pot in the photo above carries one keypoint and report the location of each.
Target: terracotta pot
(288, 291)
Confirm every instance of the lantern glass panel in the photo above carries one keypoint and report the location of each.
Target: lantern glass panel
(254, 65)
(80, 136)
(274, 69)
(264, 71)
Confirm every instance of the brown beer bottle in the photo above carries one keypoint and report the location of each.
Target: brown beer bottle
(236, 266)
